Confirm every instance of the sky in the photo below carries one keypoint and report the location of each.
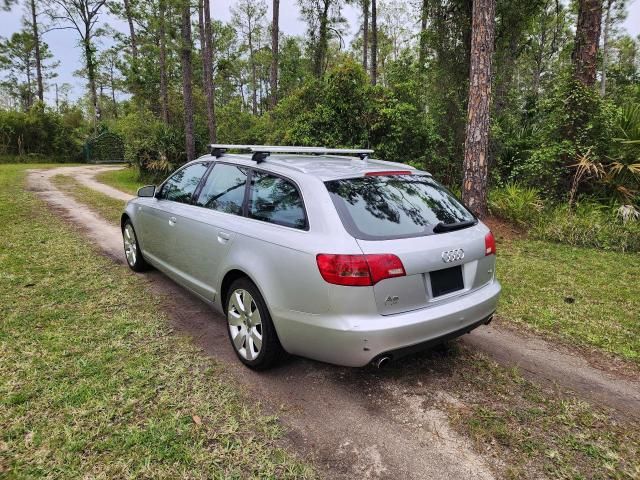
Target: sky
(63, 43)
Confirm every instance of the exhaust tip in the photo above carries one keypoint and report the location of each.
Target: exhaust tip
(489, 320)
(382, 362)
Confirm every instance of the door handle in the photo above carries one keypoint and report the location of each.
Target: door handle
(223, 237)
(173, 221)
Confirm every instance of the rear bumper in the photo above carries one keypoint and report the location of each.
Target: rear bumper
(356, 340)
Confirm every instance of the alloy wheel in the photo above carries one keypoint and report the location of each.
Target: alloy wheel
(130, 244)
(245, 324)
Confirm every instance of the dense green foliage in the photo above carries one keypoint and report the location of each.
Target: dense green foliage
(589, 224)
(586, 224)
(40, 133)
(555, 143)
(519, 204)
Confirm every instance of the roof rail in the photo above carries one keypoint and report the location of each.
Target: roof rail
(260, 152)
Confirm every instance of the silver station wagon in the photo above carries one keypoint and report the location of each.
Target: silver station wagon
(323, 253)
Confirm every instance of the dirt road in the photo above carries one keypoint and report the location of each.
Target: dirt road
(353, 423)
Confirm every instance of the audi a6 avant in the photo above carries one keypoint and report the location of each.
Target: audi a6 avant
(318, 252)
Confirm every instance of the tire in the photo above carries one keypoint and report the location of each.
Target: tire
(132, 251)
(260, 349)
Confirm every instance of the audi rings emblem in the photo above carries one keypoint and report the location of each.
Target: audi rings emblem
(449, 256)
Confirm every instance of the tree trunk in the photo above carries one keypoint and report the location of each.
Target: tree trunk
(113, 89)
(36, 41)
(275, 37)
(476, 146)
(132, 31)
(29, 100)
(585, 50)
(254, 76)
(424, 17)
(321, 48)
(203, 41)
(91, 76)
(605, 47)
(162, 63)
(374, 43)
(365, 34)
(187, 81)
(209, 88)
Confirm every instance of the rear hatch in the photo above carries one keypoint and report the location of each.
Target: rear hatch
(440, 243)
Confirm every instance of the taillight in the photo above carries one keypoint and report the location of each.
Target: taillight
(489, 244)
(358, 270)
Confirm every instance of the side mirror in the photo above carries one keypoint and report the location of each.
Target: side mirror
(147, 191)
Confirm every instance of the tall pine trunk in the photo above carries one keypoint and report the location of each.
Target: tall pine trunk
(187, 81)
(207, 65)
(36, 41)
(91, 75)
(476, 146)
(323, 40)
(424, 17)
(585, 50)
(132, 30)
(374, 43)
(254, 73)
(209, 88)
(275, 38)
(365, 34)
(112, 80)
(605, 47)
(162, 62)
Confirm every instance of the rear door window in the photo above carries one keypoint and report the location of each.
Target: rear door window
(224, 189)
(394, 206)
(276, 200)
(181, 186)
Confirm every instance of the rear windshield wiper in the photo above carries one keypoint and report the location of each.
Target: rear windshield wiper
(450, 227)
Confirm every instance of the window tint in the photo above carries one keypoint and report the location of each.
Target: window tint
(276, 200)
(394, 206)
(182, 184)
(224, 189)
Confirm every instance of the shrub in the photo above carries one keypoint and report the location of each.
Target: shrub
(516, 203)
(40, 133)
(589, 225)
(151, 146)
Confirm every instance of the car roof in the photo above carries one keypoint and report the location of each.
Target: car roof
(324, 167)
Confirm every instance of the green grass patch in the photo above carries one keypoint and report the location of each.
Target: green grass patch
(94, 382)
(536, 433)
(126, 179)
(583, 296)
(108, 207)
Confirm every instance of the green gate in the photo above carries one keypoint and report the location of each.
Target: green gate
(105, 147)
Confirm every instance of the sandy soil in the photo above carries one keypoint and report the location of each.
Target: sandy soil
(351, 423)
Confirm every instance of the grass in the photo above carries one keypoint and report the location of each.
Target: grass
(94, 383)
(110, 208)
(581, 296)
(126, 179)
(543, 434)
(523, 429)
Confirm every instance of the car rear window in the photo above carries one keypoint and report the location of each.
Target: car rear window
(394, 206)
